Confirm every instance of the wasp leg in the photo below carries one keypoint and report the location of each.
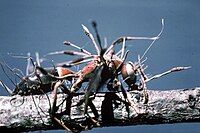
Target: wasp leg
(126, 96)
(54, 107)
(75, 86)
(107, 109)
(62, 124)
(55, 89)
(6, 88)
(68, 100)
(90, 121)
(143, 83)
(94, 85)
(93, 108)
(88, 102)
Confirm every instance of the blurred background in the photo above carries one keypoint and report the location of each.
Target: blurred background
(42, 26)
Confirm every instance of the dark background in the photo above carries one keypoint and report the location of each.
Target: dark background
(41, 26)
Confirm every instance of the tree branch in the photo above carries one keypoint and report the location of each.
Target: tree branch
(30, 113)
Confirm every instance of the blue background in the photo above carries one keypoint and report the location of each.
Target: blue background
(41, 26)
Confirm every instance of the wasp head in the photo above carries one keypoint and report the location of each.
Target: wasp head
(26, 86)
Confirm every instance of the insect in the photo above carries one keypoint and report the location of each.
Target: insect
(39, 80)
(104, 67)
(36, 81)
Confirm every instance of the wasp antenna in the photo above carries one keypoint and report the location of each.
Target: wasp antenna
(156, 38)
(87, 32)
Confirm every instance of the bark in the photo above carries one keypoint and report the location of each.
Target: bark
(30, 113)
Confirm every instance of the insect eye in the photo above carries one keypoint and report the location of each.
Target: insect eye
(34, 87)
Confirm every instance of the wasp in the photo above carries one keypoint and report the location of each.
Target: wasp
(104, 67)
(101, 69)
(39, 80)
(36, 81)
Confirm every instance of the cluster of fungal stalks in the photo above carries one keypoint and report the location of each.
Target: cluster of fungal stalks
(107, 68)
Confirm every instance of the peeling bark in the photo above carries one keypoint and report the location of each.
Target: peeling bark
(30, 113)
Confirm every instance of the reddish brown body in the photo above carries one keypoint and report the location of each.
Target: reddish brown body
(108, 72)
(83, 75)
(63, 71)
(42, 82)
(88, 69)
